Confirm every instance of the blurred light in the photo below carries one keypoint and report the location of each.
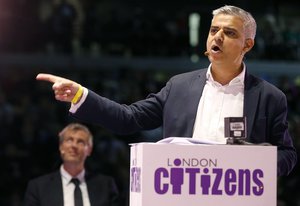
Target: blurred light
(194, 25)
(194, 58)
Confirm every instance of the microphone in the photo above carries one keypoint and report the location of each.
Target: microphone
(206, 53)
(235, 130)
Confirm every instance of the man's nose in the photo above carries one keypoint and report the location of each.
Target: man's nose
(219, 36)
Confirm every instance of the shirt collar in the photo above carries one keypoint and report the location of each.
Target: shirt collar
(238, 80)
(65, 175)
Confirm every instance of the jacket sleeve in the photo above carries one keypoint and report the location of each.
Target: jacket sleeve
(287, 155)
(120, 118)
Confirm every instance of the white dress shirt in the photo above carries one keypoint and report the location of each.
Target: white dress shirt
(217, 102)
(69, 187)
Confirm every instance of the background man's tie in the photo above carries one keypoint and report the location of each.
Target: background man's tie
(77, 193)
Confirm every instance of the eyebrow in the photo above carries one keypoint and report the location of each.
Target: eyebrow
(231, 29)
(226, 28)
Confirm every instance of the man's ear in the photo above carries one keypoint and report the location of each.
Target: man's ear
(249, 43)
(89, 150)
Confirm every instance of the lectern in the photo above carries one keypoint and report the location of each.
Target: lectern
(199, 174)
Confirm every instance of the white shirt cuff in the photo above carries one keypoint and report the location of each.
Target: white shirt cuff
(74, 107)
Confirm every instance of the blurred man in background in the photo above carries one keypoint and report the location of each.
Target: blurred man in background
(72, 183)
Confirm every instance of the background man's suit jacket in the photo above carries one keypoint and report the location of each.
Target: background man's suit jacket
(175, 108)
(47, 191)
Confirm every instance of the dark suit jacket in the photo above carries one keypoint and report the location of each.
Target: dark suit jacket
(175, 108)
(47, 191)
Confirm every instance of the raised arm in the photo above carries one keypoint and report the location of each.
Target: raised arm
(64, 89)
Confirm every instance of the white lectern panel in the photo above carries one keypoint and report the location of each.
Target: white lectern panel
(206, 175)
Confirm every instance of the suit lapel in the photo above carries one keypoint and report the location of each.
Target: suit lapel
(92, 184)
(251, 99)
(55, 182)
(195, 93)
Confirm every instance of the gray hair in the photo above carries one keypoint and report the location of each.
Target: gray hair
(246, 17)
(75, 127)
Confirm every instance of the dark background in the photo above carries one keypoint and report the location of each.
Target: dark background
(121, 49)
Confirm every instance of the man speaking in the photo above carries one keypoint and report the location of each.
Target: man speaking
(195, 104)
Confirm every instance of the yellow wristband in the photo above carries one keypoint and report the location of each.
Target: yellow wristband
(77, 95)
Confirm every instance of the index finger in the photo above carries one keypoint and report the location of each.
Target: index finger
(48, 77)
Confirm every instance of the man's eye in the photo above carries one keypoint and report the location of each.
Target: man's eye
(230, 33)
(69, 140)
(213, 30)
(82, 143)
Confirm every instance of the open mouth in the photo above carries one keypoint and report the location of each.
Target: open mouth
(215, 48)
